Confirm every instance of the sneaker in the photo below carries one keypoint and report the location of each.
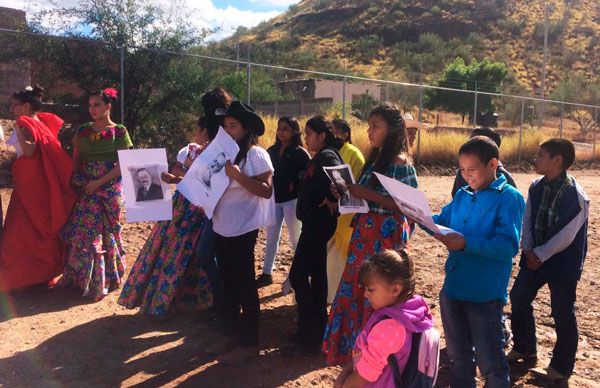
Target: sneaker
(264, 280)
(549, 374)
(238, 355)
(514, 356)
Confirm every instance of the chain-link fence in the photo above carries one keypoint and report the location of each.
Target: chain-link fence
(160, 94)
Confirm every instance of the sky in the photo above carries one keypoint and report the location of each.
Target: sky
(223, 14)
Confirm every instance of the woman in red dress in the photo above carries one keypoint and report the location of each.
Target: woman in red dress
(30, 249)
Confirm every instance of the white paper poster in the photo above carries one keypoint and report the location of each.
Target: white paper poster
(206, 181)
(341, 176)
(412, 203)
(147, 197)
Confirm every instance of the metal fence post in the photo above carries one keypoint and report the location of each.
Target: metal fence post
(475, 107)
(521, 128)
(122, 70)
(594, 136)
(248, 76)
(420, 121)
(562, 115)
(344, 98)
(387, 92)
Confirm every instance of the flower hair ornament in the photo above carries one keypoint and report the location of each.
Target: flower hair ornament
(110, 93)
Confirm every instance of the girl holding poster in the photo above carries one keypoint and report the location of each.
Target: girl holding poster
(373, 232)
(246, 206)
(167, 271)
(95, 259)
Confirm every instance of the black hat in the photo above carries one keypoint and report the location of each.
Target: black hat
(245, 115)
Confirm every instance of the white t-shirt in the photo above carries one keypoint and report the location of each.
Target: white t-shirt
(239, 211)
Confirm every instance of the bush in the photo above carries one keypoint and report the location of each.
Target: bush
(512, 26)
(321, 4)
(368, 47)
(363, 105)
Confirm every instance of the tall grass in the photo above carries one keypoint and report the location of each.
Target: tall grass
(437, 148)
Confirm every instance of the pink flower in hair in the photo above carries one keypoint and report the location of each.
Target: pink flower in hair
(110, 92)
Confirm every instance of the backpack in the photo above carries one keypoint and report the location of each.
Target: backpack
(422, 366)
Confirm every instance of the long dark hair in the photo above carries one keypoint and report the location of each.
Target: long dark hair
(214, 99)
(343, 126)
(395, 143)
(293, 123)
(32, 97)
(320, 124)
(245, 143)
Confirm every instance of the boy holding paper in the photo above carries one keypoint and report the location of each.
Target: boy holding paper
(487, 214)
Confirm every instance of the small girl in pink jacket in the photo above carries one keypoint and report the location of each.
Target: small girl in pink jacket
(389, 282)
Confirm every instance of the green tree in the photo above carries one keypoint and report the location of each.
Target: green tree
(578, 88)
(161, 89)
(483, 76)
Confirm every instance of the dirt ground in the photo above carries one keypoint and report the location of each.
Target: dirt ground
(54, 338)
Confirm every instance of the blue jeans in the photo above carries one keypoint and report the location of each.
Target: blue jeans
(205, 250)
(283, 210)
(468, 326)
(562, 301)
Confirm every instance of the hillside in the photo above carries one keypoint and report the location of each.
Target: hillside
(394, 38)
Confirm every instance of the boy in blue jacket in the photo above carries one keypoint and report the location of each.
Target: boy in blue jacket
(488, 215)
(554, 246)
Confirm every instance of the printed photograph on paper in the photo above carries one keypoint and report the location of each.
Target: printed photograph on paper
(341, 176)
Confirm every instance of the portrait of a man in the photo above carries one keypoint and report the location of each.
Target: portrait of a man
(148, 190)
(214, 167)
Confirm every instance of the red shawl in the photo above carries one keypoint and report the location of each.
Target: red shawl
(30, 249)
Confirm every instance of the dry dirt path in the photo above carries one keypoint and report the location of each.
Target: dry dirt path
(56, 339)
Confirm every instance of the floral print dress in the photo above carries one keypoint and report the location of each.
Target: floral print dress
(377, 230)
(167, 271)
(95, 258)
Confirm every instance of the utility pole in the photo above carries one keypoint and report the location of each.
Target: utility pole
(475, 107)
(543, 91)
(237, 50)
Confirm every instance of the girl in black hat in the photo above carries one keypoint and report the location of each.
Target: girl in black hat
(246, 206)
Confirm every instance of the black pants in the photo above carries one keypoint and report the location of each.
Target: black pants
(310, 260)
(563, 293)
(235, 256)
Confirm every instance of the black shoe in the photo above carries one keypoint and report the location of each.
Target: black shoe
(264, 280)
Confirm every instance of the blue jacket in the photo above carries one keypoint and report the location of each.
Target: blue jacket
(490, 220)
(564, 253)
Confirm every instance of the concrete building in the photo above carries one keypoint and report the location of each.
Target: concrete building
(311, 88)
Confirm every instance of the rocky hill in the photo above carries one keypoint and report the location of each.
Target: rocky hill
(399, 38)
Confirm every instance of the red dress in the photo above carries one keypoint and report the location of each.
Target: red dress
(30, 249)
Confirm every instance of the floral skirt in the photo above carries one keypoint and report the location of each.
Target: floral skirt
(167, 271)
(373, 233)
(95, 259)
